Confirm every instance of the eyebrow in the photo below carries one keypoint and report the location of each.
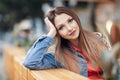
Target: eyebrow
(58, 26)
(62, 24)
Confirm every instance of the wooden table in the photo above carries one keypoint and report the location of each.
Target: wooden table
(15, 70)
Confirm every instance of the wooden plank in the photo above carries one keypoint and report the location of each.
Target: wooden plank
(57, 74)
(8, 60)
(12, 65)
(24, 70)
(31, 76)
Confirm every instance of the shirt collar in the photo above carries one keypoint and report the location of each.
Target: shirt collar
(75, 48)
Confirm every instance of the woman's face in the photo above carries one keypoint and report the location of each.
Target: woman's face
(67, 27)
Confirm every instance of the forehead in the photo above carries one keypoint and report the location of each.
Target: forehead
(60, 19)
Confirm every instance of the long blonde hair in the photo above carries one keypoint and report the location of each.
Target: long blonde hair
(89, 43)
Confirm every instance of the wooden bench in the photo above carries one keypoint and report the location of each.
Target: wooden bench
(15, 70)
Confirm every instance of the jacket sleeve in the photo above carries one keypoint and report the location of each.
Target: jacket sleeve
(37, 56)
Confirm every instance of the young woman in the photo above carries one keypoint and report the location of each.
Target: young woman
(67, 46)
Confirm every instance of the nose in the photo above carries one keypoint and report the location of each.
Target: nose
(69, 28)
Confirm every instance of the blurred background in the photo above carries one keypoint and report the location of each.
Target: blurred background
(22, 21)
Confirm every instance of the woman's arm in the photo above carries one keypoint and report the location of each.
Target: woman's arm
(37, 57)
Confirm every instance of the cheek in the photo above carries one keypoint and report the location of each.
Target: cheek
(78, 28)
(62, 33)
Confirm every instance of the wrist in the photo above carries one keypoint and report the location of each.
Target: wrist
(51, 34)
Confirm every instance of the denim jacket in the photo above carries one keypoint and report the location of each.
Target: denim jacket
(39, 58)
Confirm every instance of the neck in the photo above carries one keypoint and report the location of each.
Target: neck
(75, 42)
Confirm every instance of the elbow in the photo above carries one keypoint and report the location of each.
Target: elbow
(33, 66)
(26, 65)
(29, 66)
(39, 66)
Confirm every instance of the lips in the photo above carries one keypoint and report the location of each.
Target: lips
(72, 33)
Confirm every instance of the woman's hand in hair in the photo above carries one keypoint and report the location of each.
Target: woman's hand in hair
(52, 30)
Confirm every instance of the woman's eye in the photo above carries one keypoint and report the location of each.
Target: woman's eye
(70, 20)
(61, 27)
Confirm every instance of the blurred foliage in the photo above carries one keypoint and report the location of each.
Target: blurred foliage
(12, 11)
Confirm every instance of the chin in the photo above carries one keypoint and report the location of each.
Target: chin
(73, 38)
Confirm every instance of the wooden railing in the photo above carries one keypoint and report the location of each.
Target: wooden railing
(15, 70)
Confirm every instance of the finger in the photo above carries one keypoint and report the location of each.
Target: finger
(47, 22)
